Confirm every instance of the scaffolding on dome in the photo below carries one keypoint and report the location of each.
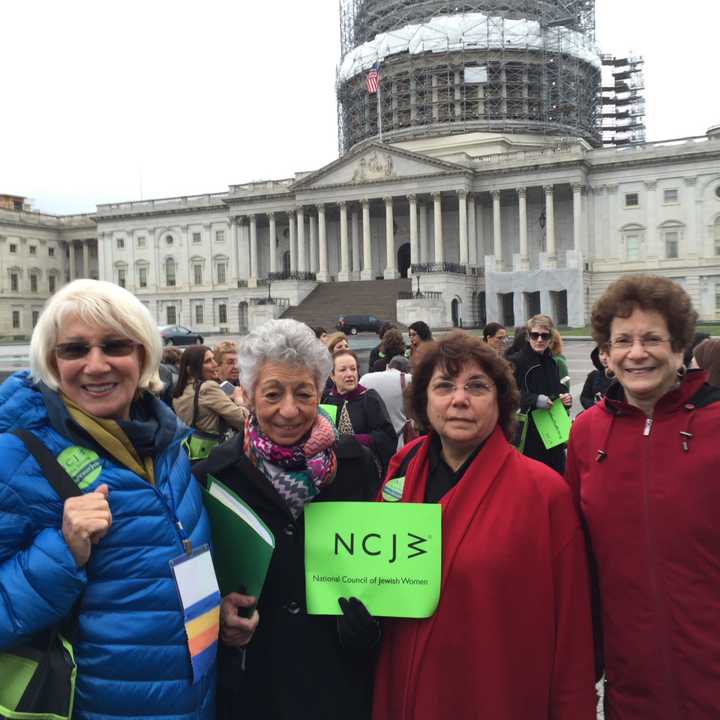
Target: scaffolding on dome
(622, 101)
(511, 66)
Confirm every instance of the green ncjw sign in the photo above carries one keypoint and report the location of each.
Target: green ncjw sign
(386, 554)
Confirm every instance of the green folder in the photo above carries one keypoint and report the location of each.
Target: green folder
(330, 410)
(242, 544)
(553, 425)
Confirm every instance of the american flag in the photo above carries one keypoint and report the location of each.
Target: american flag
(373, 79)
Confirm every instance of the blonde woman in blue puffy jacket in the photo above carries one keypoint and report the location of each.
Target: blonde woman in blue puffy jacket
(104, 559)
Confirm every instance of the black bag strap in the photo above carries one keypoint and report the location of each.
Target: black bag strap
(54, 473)
(196, 405)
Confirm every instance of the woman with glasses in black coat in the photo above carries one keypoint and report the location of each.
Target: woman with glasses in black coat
(538, 378)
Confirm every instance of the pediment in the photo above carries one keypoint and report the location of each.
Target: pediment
(377, 163)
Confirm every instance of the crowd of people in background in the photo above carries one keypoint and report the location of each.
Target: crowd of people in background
(594, 559)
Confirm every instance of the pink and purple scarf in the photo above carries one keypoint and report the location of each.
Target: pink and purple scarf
(305, 468)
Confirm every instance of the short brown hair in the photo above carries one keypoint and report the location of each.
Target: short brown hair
(649, 293)
(541, 321)
(334, 339)
(224, 347)
(392, 343)
(340, 353)
(452, 353)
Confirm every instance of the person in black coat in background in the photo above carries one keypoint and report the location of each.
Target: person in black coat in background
(597, 382)
(377, 353)
(538, 378)
(299, 665)
(361, 412)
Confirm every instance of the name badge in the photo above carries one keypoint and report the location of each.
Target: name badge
(200, 599)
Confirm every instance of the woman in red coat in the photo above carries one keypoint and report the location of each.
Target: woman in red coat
(643, 465)
(511, 638)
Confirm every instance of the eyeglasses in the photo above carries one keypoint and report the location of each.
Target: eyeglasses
(539, 336)
(112, 348)
(625, 342)
(475, 388)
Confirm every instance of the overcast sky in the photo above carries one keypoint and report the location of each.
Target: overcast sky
(106, 101)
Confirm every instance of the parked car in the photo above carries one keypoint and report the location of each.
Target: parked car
(354, 324)
(179, 335)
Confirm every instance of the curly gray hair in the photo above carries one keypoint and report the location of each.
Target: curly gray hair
(282, 341)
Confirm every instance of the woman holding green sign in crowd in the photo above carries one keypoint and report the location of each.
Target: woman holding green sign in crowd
(538, 378)
(287, 456)
(511, 638)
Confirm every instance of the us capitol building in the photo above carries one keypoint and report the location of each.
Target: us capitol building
(488, 150)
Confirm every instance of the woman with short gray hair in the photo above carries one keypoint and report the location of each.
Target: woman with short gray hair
(286, 457)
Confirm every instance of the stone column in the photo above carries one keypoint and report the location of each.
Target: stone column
(390, 270)
(101, 260)
(463, 227)
(73, 260)
(693, 244)
(355, 242)
(577, 217)
(472, 231)
(414, 244)
(323, 274)
(292, 241)
(652, 246)
(86, 264)
(344, 274)
(272, 240)
(424, 240)
(302, 249)
(551, 259)
(522, 208)
(497, 231)
(312, 246)
(367, 271)
(437, 217)
(253, 249)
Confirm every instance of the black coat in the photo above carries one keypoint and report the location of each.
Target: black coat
(295, 667)
(368, 416)
(596, 383)
(538, 374)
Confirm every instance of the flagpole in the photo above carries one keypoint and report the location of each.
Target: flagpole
(379, 106)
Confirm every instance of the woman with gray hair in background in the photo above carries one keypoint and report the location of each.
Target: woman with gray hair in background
(103, 558)
(298, 665)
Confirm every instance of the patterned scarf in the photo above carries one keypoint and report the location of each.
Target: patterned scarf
(305, 468)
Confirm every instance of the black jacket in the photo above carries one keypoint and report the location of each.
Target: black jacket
(538, 374)
(368, 416)
(596, 383)
(295, 667)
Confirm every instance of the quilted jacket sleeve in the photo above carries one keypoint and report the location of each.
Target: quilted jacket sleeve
(39, 579)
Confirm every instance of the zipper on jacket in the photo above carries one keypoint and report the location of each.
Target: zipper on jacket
(648, 427)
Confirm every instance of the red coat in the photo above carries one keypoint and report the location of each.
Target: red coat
(653, 514)
(511, 638)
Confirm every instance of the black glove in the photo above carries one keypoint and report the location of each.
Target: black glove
(357, 628)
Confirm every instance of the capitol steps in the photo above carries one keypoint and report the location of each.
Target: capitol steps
(374, 297)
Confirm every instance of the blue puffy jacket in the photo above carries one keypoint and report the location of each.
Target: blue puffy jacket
(132, 655)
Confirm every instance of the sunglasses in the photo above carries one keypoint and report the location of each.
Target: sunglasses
(111, 348)
(539, 336)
